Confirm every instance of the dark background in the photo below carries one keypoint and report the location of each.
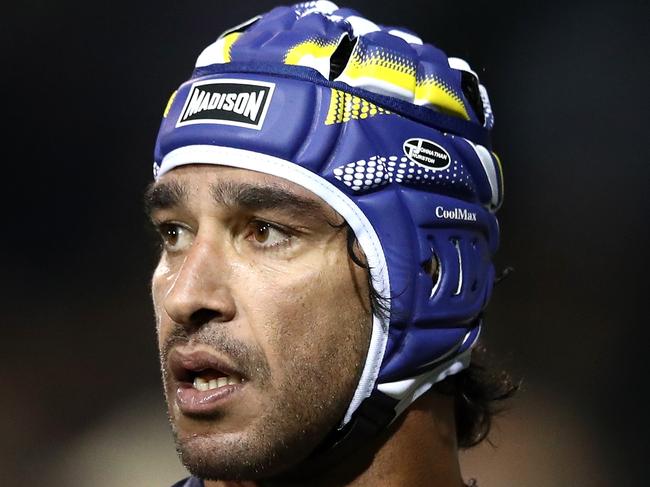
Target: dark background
(83, 89)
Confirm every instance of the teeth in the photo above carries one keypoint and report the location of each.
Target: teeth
(200, 384)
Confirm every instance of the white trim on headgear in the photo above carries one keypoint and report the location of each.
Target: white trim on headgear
(365, 233)
(490, 170)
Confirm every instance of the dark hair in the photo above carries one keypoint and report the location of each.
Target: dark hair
(479, 391)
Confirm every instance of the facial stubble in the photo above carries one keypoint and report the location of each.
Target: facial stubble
(301, 405)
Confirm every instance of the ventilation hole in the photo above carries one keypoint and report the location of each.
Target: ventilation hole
(474, 286)
(341, 56)
(469, 85)
(432, 267)
(459, 288)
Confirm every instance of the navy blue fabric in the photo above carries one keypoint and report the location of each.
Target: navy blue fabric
(405, 209)
(423, 115)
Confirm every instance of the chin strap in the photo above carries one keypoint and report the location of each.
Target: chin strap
(373, 416)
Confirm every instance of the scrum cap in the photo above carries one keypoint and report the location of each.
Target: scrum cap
(391, 133)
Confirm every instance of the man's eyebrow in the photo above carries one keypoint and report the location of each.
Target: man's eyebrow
(164, 195)
(255, 197)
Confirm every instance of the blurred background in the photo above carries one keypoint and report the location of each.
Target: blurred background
(84, 85)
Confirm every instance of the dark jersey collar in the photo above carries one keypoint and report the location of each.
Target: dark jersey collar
(189, 482)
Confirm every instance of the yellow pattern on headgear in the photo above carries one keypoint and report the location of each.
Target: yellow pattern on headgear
(345, 107)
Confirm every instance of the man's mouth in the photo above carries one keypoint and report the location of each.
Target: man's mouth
(203, 380)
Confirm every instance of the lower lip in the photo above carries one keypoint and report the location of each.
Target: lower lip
(194, 402)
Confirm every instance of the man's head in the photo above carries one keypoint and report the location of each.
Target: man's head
(295, 126)
(254, 285)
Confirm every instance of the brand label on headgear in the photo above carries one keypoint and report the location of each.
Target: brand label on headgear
(427, 154)
(455, 214)
(243, 103)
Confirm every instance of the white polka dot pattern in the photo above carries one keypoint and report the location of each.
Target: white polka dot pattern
(379, 171)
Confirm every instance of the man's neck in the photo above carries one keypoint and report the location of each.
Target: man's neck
(419, 450)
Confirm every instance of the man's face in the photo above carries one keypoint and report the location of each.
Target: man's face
(263, 320)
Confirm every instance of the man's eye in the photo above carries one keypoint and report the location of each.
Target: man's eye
(175, 237)
(267, 235)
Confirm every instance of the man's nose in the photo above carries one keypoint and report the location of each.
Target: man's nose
(200, 292)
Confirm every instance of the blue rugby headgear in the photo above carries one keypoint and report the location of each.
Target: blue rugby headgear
(393, 135)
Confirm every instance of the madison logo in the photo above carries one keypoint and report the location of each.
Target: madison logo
(227, 101)
(427, 153)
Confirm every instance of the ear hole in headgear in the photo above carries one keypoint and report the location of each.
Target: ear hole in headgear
(432, 267)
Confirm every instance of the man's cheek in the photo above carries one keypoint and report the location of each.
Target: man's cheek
(157, 309)
(162, 280)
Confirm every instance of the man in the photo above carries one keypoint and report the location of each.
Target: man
(325, 194)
